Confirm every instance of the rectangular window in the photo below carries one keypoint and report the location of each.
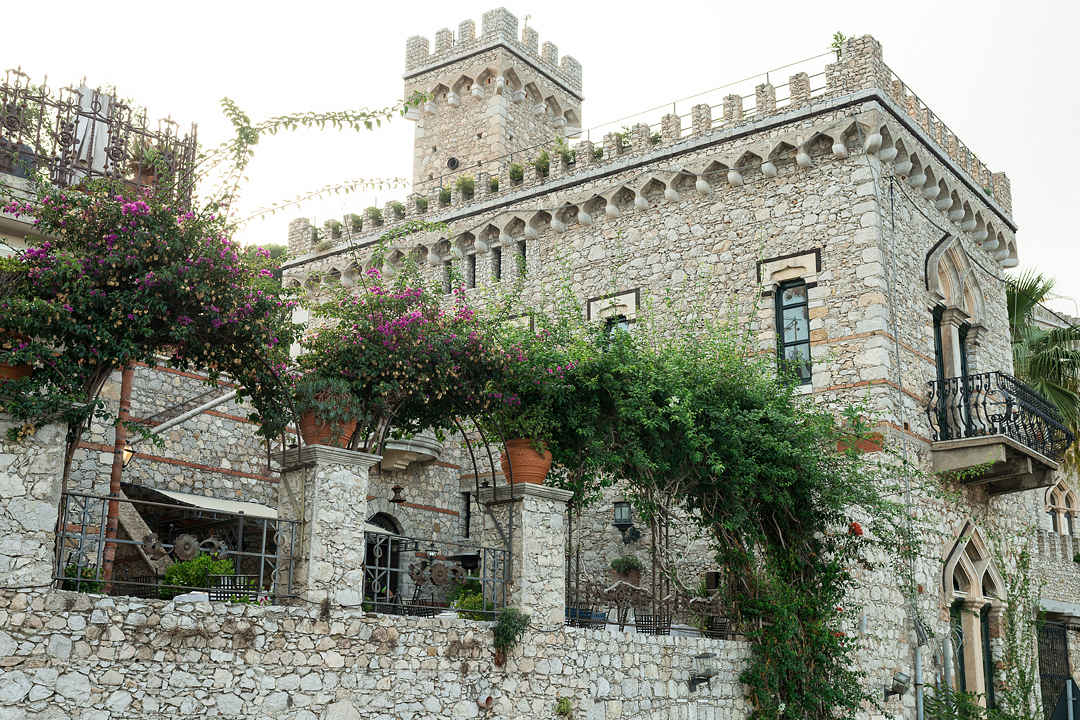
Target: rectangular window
(793, 329)
(988, 659)
(496, 264)
(956, 624)
(447, 272)
(470, 271)
(521, 257)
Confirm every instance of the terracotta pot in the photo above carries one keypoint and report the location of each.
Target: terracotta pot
(528, 465)
(316, 433)
(13, 372)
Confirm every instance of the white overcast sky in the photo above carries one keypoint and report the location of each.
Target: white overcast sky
(1002, 75)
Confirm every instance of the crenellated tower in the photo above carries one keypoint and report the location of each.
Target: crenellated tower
(490, 94)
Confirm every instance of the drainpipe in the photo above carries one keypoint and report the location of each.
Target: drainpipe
(119, 442)
(184, 417)
(918, 683)
(1069, 698)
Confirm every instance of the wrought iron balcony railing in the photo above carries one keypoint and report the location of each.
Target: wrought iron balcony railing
(994, 403)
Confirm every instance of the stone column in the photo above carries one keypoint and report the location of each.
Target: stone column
(951, 320)
(536, 516)
(701, 117)
(971, 622)
(765, 99)
(30, 474)
(326, 488)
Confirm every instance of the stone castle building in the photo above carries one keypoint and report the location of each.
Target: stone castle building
(834, 215)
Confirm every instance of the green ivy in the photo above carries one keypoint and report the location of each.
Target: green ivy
(509, 628)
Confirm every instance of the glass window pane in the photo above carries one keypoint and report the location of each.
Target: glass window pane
(796, 324)
(794, 295)
(797, 358)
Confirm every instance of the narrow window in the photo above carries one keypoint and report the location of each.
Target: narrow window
(471, 271)
(521, 256)
(793, 329)
(496, 264)
(988, 659)
(446, 276)
(957, 623)
(466, 514)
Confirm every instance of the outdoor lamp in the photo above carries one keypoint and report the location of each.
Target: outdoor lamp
(703, 670)
(398, 498)
(126, 454)
(900, 682)
(622, 516)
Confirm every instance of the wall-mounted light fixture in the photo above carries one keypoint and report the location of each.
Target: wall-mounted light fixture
(623, 519)
(899, 686)
(703, 670)
(126, 455)
(398, 498)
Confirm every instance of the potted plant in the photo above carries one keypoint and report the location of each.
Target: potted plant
(374, 214)
(147, 164)
(517, 173)
(356, 222)
(493, 184)
(444, 196)
(15, 361)
(421, 204)
(628, 569)
(542, 163)
(328, 414)
(466, 186)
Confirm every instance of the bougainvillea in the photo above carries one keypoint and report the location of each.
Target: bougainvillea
(412, 362)
(124, 277)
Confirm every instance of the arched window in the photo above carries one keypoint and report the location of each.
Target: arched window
(974, 590)
(1062, 506)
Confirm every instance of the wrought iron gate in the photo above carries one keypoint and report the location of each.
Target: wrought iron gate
(1053, 664)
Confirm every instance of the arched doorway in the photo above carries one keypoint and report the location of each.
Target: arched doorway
(382, 561)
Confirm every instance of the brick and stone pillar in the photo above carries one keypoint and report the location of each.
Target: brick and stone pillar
(670, 128)
(701, 117)
(765, 99)
(799, 90)
(326, 489)
(30, 474)
(299, 236)
(535, 516)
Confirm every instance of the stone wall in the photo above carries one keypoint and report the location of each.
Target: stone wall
(71, 655)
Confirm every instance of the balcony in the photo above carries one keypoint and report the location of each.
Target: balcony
(991, 429)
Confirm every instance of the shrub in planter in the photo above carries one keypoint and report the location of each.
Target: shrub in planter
(542, 163)
(374, 214)
(493, 184)
(328, 413)
(194, 573)
(470, 605)
(628, 568)
(598, 153)
(444, 196)
(356, 222)
(333, 229)
(517, 173)
(398, 209)
(466, 185)
(421, 204)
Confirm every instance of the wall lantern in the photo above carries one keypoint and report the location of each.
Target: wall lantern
(703, 670)
(126, 455)
(623, 520)
(398, 498)
(899, 686)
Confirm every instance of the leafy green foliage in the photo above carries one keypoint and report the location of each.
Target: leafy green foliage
(355, 221)
(493, 184)
(943, 703)
(562, 149)
(598, 153)
(329, 398)
(470, 605)
(421, 204)
(517, 173)
(444, 196)
(1017, 696)
(194, 573)
(626, 564)
(510, 627)
(374, 215)
(564, 707)
(398, 209)
(333, 229)
(81, 579)
(837, 44)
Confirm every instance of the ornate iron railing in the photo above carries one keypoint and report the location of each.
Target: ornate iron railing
(412, 576)
(75, 133)
(994, 403)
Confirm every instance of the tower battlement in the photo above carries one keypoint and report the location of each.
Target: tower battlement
(498, 27)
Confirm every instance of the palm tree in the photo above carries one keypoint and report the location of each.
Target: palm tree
(1047, 359)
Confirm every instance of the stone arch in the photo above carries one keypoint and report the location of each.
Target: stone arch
(462, 85)
(513, 82)
(971, 557)
(540, 222)
(715, 173)
(653, 190)
(781, 151)
(951, 280)
(567, 214)
(622, 198)
(683, 181)
(1063, 507)
(533, 94)
(439, 92)
(514, 227)
(594, 206)
(489, 236)
(573, 120)
(486, 77)
(333, 277)
(293, 284)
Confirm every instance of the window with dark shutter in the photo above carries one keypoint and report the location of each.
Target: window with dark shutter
(793, 329)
